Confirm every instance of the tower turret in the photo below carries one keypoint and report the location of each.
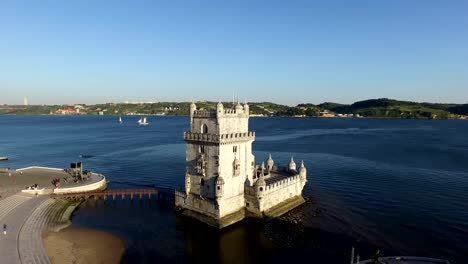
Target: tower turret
(303, 171)
(270, 162)
(219, 108)
(260, 185)
(292, 165)
(187, 182)
(193, 107)
(219, 191)
(246, 108)
(239, 108)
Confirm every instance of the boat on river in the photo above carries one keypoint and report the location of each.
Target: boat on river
(3, 158)
(143, 121)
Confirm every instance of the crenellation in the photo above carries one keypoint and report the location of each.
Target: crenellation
(204, 114)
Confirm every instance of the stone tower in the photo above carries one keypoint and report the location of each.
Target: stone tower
(223, 184)
(219, 164)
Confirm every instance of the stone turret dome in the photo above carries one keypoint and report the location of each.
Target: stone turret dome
(302, 169)
(219, 106)
(219, 180)
(270, 162)
(292, 165)
(238, 107)
(193, 108)
(260, 181)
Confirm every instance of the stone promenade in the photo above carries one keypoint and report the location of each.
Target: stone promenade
(26, 217)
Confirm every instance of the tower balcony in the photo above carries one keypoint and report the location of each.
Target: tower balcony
(219, 138)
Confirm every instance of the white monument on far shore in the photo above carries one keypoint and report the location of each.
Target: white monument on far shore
(223, 185)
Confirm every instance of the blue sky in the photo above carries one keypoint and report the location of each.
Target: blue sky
(283, 51)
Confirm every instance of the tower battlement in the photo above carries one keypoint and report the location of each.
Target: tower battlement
(216, 138)
(222, 182)
(204, 114)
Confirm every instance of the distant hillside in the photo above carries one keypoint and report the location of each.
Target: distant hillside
(396, 109)
(382, 107)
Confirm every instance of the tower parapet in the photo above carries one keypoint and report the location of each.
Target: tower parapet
(204, 114)
(223, 138)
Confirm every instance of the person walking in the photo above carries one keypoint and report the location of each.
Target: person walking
(4, 229)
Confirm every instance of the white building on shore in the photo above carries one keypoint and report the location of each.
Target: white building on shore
(223, 184)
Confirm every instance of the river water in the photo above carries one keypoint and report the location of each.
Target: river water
(400, 186)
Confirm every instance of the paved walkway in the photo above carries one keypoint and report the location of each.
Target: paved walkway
(30, 246)
(15, 210)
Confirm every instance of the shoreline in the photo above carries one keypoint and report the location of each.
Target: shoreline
(64, 243)
(252, 115)
(82, 246)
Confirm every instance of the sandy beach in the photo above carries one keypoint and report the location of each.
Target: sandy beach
(83, 246)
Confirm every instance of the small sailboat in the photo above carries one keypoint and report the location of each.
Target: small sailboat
(143, 121)
(120, 120)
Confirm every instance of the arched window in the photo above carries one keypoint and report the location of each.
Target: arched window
(202, 182)
(204, 129)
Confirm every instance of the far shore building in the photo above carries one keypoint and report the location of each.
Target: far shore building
(71, 110)
(223, 184)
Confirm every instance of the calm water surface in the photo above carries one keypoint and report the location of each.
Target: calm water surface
(400, 186)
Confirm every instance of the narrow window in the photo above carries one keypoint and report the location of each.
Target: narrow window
(202, 182)
(204, 129)
(201, 149)
(234, 149)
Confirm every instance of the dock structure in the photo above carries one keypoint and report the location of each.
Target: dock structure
(45, 180)
(113, 194)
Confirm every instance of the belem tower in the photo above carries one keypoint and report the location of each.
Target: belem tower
(223, 185)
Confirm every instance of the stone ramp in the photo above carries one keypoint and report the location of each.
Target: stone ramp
(44, 217)
(26, 217)
(15, 210)
(9, 203)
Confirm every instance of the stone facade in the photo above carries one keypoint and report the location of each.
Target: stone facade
(222, 182)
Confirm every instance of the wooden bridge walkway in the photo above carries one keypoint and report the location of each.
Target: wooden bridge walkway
(160, 193)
